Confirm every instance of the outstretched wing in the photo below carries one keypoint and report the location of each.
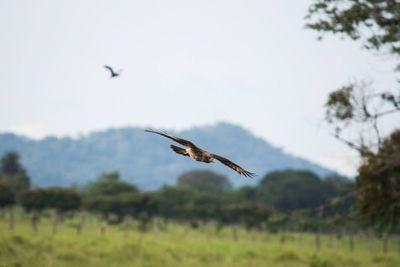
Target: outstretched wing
(176, 139)
(233, 166)
(110, 69)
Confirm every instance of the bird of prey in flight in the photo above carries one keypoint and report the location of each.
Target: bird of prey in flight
(199, 154)
(112, 72)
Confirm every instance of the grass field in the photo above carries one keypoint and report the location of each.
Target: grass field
(180, 246)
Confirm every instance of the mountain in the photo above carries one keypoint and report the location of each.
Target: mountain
(146, 159)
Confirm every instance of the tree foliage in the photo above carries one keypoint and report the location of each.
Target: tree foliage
(357, 115)
(137, 205)
(108, 184)
(355, 111)
(35, 200)
(379, 183)
(58, 198)
(62, 199)
(251, 207)
(7, 196)
(110, 195)
(375, 22)
(14, 174)
(185, 203)
(355, 108)
(249, 214)
(290, 190)
(205, 181)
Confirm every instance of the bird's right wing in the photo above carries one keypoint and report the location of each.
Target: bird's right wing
(175, 138)
(233, 166)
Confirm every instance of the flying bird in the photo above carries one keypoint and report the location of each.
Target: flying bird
(199, 154)
(112, 72)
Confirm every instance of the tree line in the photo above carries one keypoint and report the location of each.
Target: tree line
(287, 199)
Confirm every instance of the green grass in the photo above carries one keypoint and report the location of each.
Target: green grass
(178, 246)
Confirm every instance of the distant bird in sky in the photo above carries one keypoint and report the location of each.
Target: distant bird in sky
(199, 154)
(113, 73)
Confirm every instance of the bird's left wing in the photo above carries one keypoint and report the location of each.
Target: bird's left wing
(233, 166)
(109, 68)
(175, 138)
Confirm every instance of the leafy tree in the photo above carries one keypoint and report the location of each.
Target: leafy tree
(242, 194)
(7, 196)
(7, 199)
(339, 182)
(354, 107)
(277, 222)
(108, 184)
(249, 214)
(376, 22)
(203, 206)
(34, 201)
(344, 198)
(14, 174)
(143, 206)
(110, 195)
(379, 183)
(357, 113)
(357, 116)
(289, 190)
(62, 199)
(189, 204)
(58, 198)
(248, 193)
(205, 181)
(9, 164)
(173, 199)
(145, 210)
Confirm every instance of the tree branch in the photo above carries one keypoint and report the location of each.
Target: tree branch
(375, 125)
(363, 150)
(387, 112)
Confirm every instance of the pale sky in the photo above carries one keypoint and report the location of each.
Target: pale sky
(186, 63)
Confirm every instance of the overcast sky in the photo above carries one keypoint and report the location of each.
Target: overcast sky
(185, 63)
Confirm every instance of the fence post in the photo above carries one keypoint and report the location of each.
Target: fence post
(126, 226)
(331, 240)
(299, 239)
(338, 237)
(82, 221)
(351, 241)
(103, 228)
(11, 219)
(385, 243)
(55, 221)
(266, 236)
(318, 240)
(235, 233)
(398, 245)
(35, 221)
(282, 238)
(369, 240)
